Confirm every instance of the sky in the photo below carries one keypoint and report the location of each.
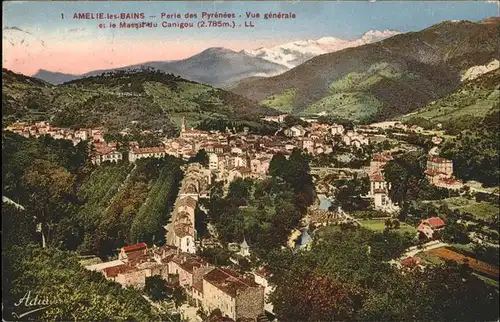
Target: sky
(45, 35)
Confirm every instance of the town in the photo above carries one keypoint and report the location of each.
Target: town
(233, 156)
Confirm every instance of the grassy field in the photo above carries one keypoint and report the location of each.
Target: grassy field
(480, 210)
(352, 105)
(379, 225)
(429, 258)
(282, 102)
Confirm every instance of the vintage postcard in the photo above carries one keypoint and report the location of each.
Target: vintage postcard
(250, 161)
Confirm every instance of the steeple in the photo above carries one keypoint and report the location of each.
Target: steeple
(244, 248)
(183, 124)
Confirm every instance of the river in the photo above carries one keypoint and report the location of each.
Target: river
(324, 202)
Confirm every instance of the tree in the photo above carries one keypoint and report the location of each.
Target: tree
(455, 233)
(291, 120)
(277, 165)
(49, 188)
(200, 157)
(156, 288)
(239, 191)
(388, 223)
(179, 296)
(320, 299)
(349, 193)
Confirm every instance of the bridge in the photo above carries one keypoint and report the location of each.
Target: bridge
(324, 171)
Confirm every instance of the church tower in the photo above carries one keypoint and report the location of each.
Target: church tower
(183, 124)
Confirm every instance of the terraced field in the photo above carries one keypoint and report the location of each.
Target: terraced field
(476, 265)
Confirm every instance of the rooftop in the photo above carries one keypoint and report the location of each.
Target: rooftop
(228, 281)
(136, 247)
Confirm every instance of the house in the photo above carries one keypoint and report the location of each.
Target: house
(378, 183)
(275, 118)
(436, 140)
(337, 129)
(412, 263)
(429, 226)
(355, 139)
(440, 165)
(216, 162)
(379, 160)
(133, 251)
(187, 204)
(240, 172)
(105, 153)
(379, 193)
(439, 172)
(307, 144)
(260, 165)
(295, 131)
(235, 296)
(261, 277)
(236, 161)
(190, 270)
(137, 153)
(184, 235)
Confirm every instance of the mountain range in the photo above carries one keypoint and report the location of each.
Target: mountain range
(295, 53)
(384, 79)
(222, 67)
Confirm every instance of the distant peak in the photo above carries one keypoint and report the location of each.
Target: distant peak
(218, 50)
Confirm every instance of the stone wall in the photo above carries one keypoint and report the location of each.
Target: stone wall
(250, 303)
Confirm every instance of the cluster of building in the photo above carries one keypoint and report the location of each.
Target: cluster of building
(44, 128)
(181, 231)
(313, 137)
(207, 286)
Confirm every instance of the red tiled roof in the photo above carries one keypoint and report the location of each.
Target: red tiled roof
(439, 160)
(115, 270)
(382, 157)
(156, 149)
(411, 261)
(188, 202)
(228, 281)
(377, 177)
(435, 222)
(103, 150)
(136, 247)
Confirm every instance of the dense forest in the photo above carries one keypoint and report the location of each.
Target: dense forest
(475, 151)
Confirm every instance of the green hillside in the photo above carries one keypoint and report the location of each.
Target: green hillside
(382, 80)
(473, 100)
(152, 99)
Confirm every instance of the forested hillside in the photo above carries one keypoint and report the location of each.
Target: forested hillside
(154, 100)
(86, 208)
(382, 80)
(462, 109)
(71, 205)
